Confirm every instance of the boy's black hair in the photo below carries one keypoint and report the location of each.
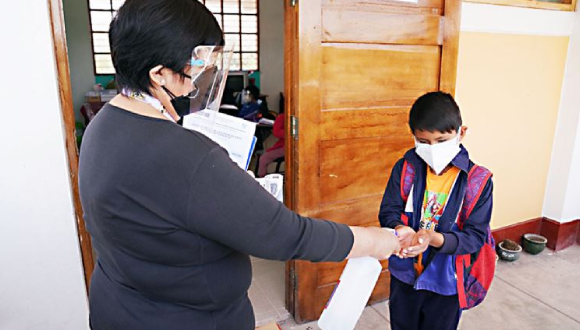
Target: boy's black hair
(435, 112)
(254, 91)
(147, 33)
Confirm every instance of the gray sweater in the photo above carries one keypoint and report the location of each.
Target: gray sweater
(173, 221)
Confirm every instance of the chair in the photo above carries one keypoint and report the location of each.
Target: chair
(90, 109)
(279, 162)
(87, 113)
(229, 109)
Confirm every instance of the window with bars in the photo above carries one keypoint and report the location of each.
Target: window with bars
(238, 19)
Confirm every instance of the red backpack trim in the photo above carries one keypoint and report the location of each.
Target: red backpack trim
(475, 271)
(407, 177)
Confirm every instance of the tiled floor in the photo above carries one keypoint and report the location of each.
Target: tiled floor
(534, 293)
(267, 291)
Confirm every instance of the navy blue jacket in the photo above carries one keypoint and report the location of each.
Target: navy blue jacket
(439, 275)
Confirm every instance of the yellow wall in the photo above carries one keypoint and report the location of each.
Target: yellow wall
(508, 88)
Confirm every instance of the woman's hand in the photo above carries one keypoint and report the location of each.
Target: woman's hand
(373, 242)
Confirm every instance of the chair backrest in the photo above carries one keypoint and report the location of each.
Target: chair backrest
(87, 112)
(281, 104)
(279, 162)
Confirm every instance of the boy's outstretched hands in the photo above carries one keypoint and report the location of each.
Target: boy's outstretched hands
(420, 243)
(414, 243)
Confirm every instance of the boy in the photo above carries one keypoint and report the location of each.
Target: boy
(424, 201)
(250, 103)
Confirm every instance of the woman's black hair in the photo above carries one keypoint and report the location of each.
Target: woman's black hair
(435, 112)
(147, 33)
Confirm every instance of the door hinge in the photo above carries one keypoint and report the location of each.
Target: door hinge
(293, 3)
(294, 127)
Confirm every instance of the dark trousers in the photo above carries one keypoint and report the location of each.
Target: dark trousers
(412, 309)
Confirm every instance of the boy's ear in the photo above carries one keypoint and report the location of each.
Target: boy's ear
(463, 132)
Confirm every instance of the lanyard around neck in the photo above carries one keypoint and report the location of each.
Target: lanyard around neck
(148, 99)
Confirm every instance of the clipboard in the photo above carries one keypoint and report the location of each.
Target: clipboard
(235, 135)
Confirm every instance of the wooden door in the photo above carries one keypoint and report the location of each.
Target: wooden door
(353, 69)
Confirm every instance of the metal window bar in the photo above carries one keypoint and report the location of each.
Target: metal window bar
(221, 12)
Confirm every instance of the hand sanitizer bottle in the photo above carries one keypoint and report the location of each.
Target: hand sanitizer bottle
(351, 294)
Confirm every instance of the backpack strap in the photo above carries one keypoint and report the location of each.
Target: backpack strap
(476, 181)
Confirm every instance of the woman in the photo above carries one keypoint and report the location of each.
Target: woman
(172, 219)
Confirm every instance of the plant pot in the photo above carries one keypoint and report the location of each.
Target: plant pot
(533, 243)
(508, 254)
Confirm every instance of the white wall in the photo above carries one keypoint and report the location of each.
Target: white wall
(80, 54)
(272, 50)
(41, 276)
(562, 201)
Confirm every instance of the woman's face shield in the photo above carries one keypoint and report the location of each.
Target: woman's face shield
(208, 71)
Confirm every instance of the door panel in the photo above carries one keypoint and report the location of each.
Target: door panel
(359, 26)
(352, 169)
(357, 212)
(363, 123)
(355, 76)
(327, 275)
(354, 68)
(433, 6)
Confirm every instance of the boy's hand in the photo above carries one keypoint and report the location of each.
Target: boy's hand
(405, 234)
(420, 242)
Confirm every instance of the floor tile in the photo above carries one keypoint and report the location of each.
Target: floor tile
(383, 309)
(549, 278)
(291, 325)
(283, 313)
(571, 254)
(507, 307)
(263, 269)
(370, 320)
(534, 293)
(259, 300)
(267, 317)
(274, 290)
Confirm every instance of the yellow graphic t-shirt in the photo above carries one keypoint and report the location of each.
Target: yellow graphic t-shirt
(436, 195)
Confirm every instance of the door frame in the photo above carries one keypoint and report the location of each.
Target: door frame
(56, 13)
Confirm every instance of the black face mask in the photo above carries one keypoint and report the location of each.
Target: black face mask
(181, 104)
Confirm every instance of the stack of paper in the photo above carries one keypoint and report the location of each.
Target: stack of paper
(236, 135)
(265, 121)
(274, 184)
